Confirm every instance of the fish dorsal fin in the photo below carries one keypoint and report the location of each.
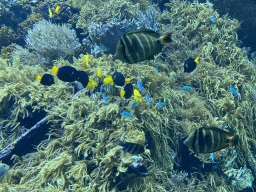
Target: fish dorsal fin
(144, 31)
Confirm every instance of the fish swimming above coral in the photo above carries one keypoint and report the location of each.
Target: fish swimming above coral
(82, 77)
(190, 65)
(186, 88)
(128, 91)
(127, 115)
(108, 81)
(46, 79)
(132, 148)
(67, 74)
(139, 45)
(111, 90)
(118, 78)
(3, 170)
(234, 92)
(210, 139)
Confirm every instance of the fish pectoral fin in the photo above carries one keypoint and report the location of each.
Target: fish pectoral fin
(234, 140)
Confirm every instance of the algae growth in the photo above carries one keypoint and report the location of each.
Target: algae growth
(82, 151)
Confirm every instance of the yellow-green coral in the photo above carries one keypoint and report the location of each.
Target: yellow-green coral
(7, 36)
(101, 11)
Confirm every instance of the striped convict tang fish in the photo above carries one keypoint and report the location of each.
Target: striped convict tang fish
(132, 148)
(139, 45)
(209, 140)
(111, 90)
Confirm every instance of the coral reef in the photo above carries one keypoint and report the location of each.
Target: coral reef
(82, 151)
(7, 36)
(48, 39)
(108, 34)
(47, 42)
(103, 11)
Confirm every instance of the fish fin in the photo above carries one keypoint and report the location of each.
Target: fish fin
(122, 93)
(234, 140)
(120, 143)
(166, 38)
(127, 80)
(196, 60)
(145, 31)
(38, 78)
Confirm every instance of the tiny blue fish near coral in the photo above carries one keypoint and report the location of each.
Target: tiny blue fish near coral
(186, 88)
(127, 114)
(234, 92)
(105, 98)
(161, 104)
(134, 103)
(213, 19)
(140, 86)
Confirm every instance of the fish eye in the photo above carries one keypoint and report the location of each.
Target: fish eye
(158, 41)
(227, 141)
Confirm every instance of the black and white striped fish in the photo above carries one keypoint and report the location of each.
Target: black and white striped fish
(139, 45)
(132, 148)
(210, 139)
(111, 90)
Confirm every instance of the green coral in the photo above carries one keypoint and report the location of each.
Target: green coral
(103, 11)
(7, 36)
(28, 24)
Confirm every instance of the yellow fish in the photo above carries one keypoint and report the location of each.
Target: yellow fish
(38, 78)
(91, 84)
(196, 60)
(86, 59)
(57, 10)
(108, 80)
(54, 69)
(50, 12)
(137, 95)
(127, 80)
(98, 72)
(122, 93)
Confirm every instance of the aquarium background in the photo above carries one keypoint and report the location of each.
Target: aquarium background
(57, 138)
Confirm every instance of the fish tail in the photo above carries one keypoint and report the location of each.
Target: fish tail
(166, 38)
(234, 140)
(120, 143)
(196, 60)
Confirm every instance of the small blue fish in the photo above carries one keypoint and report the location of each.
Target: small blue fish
(147, 97)
(103, 48)
(105, 98)
(134, 104)
(213, 19)
(212, 156)
(161, 105)
(157, 70)
(154, 29)
(186, 88)
(45, 8)
(223, 126)
(140, 86)
(234, 92)
(127, 114)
